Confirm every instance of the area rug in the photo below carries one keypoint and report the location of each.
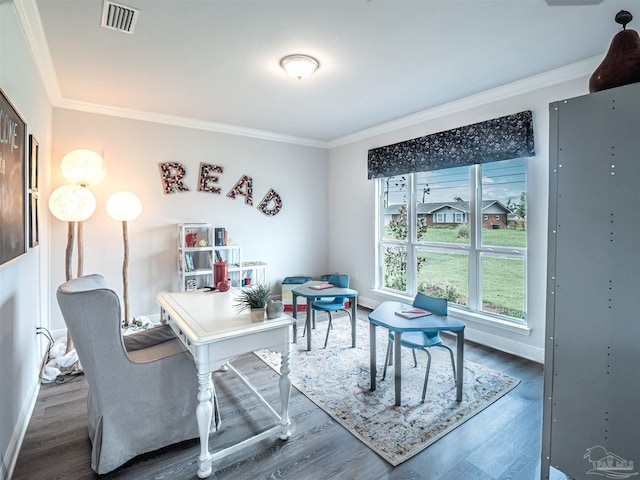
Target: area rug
(337, 380)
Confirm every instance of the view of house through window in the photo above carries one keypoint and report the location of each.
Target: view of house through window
(458, 233)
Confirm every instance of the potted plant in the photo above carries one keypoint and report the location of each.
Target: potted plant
(255, 298)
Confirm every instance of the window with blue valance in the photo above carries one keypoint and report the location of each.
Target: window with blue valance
(502, 138)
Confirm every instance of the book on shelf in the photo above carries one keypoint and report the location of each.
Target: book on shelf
(413, 313)
(220, 236)
(188, 263)
(321, 286)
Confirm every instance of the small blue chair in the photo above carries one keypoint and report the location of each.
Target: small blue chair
(421, 340)
(330, 305)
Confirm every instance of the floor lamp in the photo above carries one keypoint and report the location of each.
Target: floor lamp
(125, 207)
(73, 204)
(86, 168)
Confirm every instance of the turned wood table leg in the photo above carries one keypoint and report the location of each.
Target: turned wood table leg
(285, 395)
(204, 413)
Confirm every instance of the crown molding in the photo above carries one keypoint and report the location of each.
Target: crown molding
(29, 18)
(547, 79)
(31, 23)
(185, 122)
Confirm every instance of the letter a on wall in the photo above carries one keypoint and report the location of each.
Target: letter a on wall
(244, 186)
(172, 175)
(271, 203)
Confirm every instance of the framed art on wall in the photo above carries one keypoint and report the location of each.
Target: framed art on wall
(33, 163)
(34, 196)
(13, 231)
(34, 199)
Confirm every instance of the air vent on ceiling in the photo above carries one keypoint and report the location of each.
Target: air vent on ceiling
(119, 17)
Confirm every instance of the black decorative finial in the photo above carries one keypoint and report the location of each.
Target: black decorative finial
(623, 17)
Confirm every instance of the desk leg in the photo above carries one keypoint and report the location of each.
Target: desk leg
(285, 394)
(295, 316)
(372, 355)
(460, 367)
(204, 413)
(354, 310)
(308, 327)
(398, 367)
(295, 305)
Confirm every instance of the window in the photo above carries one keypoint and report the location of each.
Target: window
(477, 262)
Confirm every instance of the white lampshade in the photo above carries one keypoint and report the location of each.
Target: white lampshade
(124, 206)
(299, 66)
(72, 203)
(83, 167)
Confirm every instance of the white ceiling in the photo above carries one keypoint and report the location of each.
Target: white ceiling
(216, 62)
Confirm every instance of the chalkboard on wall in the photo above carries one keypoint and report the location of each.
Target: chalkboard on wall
(13, 131)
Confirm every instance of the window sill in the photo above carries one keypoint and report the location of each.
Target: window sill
(466, 315)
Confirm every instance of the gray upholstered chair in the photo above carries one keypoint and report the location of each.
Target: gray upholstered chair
(142, 395)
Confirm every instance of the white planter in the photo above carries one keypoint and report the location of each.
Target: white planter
(257, 314)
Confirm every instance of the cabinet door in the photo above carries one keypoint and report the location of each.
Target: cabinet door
(592, 365)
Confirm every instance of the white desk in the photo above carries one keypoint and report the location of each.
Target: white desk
(209, 327)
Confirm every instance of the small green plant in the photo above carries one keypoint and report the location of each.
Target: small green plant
(137, 324)
(463, 230)
(255, 296)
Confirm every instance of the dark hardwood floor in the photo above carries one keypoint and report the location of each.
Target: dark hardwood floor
(502, 442)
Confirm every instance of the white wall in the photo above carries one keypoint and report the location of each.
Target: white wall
(293, 242)
(327, 222)
(352, 222)
(23, 282)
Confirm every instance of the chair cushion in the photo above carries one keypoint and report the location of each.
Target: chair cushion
(148, 338)
(158, 351)
(418, 339)
(329, 305)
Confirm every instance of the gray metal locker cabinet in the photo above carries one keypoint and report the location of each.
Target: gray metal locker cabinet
(591, 418)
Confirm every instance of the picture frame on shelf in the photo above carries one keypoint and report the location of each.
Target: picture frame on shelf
(190, 284)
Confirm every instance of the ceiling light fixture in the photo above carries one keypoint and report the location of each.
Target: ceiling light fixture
(299, 66)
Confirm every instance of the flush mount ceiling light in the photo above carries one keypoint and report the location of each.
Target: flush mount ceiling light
(299, 66)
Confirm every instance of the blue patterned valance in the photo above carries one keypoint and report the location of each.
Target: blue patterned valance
(490, 141)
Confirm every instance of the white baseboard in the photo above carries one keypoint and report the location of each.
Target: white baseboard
(10, 457)
(491, 340)
(62, 333)
(513, 347)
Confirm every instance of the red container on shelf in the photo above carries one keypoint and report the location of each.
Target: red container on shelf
(220, 271)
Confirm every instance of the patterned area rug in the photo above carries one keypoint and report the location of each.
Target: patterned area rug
(337, 380)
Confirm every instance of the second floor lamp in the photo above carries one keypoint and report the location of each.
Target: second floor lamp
(124, 206)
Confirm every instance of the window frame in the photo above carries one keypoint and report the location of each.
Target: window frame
(474, 249)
